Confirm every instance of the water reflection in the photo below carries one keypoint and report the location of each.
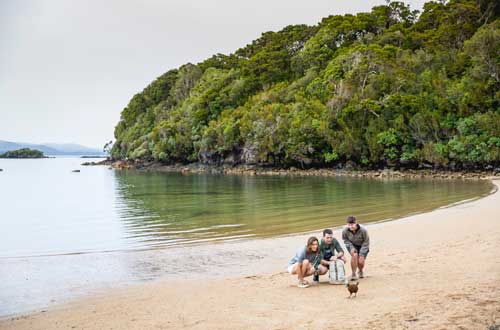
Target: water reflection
(162, 209)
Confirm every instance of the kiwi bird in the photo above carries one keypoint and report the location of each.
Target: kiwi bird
(352, 287)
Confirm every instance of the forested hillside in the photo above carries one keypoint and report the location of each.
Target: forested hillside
(392, 87)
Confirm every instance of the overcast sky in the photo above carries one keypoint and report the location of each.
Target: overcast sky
(68, 68)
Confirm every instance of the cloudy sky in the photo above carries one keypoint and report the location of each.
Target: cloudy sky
(68, 68)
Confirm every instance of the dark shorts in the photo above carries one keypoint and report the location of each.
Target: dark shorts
(358, 248)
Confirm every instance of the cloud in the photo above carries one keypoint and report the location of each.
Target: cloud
(68, 68)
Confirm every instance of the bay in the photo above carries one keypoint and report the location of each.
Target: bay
(64, 233)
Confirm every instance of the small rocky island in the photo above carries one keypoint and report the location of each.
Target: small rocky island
(23, 153)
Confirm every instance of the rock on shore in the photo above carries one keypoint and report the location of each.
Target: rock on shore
(292, 171)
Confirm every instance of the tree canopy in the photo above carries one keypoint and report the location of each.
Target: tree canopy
(392, 87)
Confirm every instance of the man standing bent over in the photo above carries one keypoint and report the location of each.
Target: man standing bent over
(357, 242)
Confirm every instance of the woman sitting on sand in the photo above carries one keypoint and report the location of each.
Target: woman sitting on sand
(304, 261)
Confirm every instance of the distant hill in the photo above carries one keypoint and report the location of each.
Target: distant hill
(73, 148)
(23, 153)
(53, 149)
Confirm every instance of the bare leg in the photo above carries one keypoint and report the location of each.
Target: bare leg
(361, 263)
(300, 276)
(354, 262)
(303, 270)
(322, 270)
(297, 270)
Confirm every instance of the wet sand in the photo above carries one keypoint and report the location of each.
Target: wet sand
(437, 270)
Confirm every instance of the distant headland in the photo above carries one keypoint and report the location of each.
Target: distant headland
(23, 153)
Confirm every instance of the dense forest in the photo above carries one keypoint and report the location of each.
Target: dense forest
(390, 88)
(23, 153)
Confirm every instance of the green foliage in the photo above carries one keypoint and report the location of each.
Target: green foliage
(384, 88)
(391, 142)
(330, 156)
(477, 139)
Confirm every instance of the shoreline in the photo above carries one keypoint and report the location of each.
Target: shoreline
(428, 286)
(253, 170)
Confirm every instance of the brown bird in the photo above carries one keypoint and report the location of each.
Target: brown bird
(352, 287)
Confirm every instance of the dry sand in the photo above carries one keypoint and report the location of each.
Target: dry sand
(437, 270)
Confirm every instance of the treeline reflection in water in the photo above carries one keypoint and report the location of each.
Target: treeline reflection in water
(162, 209)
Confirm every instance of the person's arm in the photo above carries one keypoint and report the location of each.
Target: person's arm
(317, 260)
(301, 255)
(322, 260)
(366, 244)
(338, 248)
(347, 242)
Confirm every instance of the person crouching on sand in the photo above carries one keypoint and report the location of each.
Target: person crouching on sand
(357, 242)
(302, 264)
(327, 248)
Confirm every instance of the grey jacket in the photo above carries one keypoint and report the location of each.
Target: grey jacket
(359, 238)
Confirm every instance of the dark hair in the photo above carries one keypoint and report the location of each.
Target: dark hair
(351, 219)
(310, 242)
(327, 231)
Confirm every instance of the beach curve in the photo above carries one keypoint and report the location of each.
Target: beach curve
(435, 270)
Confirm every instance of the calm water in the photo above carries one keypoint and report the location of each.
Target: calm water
(63, 232)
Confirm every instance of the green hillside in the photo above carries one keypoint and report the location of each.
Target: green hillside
(392, 87)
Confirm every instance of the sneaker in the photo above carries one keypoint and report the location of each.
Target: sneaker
(360, 274)
(354, 277)
(303, 285)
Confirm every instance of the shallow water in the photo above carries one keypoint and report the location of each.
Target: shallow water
(65, 234)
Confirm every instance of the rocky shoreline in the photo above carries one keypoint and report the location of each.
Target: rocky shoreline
(253, 170)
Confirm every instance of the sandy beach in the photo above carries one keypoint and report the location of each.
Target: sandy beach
(436, 270)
